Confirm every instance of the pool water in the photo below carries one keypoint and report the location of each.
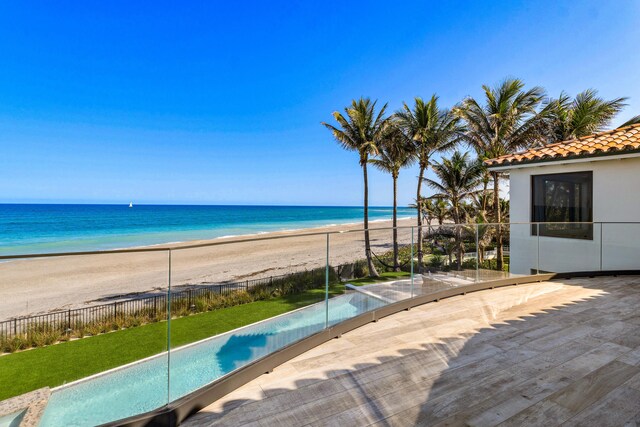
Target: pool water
(12, 420)
(153, 382)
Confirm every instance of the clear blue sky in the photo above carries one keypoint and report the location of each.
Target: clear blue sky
(221, 102)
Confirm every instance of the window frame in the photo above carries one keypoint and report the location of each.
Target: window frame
(580, 230)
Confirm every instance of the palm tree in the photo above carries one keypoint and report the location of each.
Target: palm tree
(440, 210)
(509, 120)
(426, 209)
(434, 208)
(586, 114)
(432, 130)
(458, 180)
(394, 153)
(361, 130)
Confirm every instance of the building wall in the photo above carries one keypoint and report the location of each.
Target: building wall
(616, 198)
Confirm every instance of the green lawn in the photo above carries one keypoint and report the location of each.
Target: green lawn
(65, 362)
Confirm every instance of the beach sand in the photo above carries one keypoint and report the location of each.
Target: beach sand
(41, 285)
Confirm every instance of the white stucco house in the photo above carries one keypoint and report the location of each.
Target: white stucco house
(589, 187)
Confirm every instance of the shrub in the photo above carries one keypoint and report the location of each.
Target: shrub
(470, 264)
(46, 334)
(360, 269)
(436, 261)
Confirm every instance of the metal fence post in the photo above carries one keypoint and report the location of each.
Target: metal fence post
(412, 262)
(326, 288)
(538, 240)
(477, 254)
(169, 329)
(601, 226)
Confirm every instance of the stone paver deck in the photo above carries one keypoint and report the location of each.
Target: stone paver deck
(548, 353)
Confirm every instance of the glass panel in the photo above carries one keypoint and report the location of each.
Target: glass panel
(562, 255)
(522, 252)
(620, 246)
(365, 290)
(235, 303)
(450, 255)
(495, 249)
(96, 330)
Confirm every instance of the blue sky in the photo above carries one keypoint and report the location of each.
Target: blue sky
(221, 102)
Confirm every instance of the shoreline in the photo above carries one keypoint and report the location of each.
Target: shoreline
(38, 285)
(178, 244)
(233, 238)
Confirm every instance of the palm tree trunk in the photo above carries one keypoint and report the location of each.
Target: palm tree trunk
(396, 263)
(419, 203)
(367, 242)
(485, 184)
(496, 207)
(458, 235)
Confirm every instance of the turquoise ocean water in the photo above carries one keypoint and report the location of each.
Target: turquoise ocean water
(34, 228)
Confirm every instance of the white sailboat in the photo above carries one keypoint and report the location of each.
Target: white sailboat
(130, 204)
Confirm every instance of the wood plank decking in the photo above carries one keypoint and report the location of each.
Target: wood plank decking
(552, 353)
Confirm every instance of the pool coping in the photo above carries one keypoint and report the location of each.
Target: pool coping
(32, 404)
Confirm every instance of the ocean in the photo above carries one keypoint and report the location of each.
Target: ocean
(40, 228)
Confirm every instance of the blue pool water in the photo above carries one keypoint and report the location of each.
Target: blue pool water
(147, 385)
(32, 228)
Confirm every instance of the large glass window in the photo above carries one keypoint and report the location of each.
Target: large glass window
(566, 200)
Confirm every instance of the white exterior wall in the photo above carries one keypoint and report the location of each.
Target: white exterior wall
(616, 197)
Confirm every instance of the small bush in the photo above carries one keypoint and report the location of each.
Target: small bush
(360, 269)
(15, 343)
(470, 264)
(47, 334)
(436, 261)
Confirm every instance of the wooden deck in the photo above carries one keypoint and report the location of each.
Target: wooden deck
(548, 354)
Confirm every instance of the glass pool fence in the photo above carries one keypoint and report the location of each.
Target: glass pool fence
(115, 334)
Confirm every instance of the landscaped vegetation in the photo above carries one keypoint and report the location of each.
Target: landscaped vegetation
(57, 364)
(508, 118)
(54, 365)
(43, 333)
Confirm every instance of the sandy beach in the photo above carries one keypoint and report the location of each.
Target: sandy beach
(40, 285)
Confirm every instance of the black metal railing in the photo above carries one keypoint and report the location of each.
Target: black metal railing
(153, 306)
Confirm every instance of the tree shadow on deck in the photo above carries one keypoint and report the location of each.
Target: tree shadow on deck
(510, 355)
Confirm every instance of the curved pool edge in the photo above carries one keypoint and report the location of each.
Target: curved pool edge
(177, 411)
(164, 354)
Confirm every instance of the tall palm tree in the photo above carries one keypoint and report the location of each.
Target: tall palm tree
(432, 130)
(361, 130)
(394, 153)
(509, 119)
(584, 115)
(458, 179)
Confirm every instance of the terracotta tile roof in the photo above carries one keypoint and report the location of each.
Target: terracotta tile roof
(616, 141)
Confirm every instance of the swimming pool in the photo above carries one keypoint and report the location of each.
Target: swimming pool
(152, 383)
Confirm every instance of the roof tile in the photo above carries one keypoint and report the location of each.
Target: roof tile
(613, 141)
